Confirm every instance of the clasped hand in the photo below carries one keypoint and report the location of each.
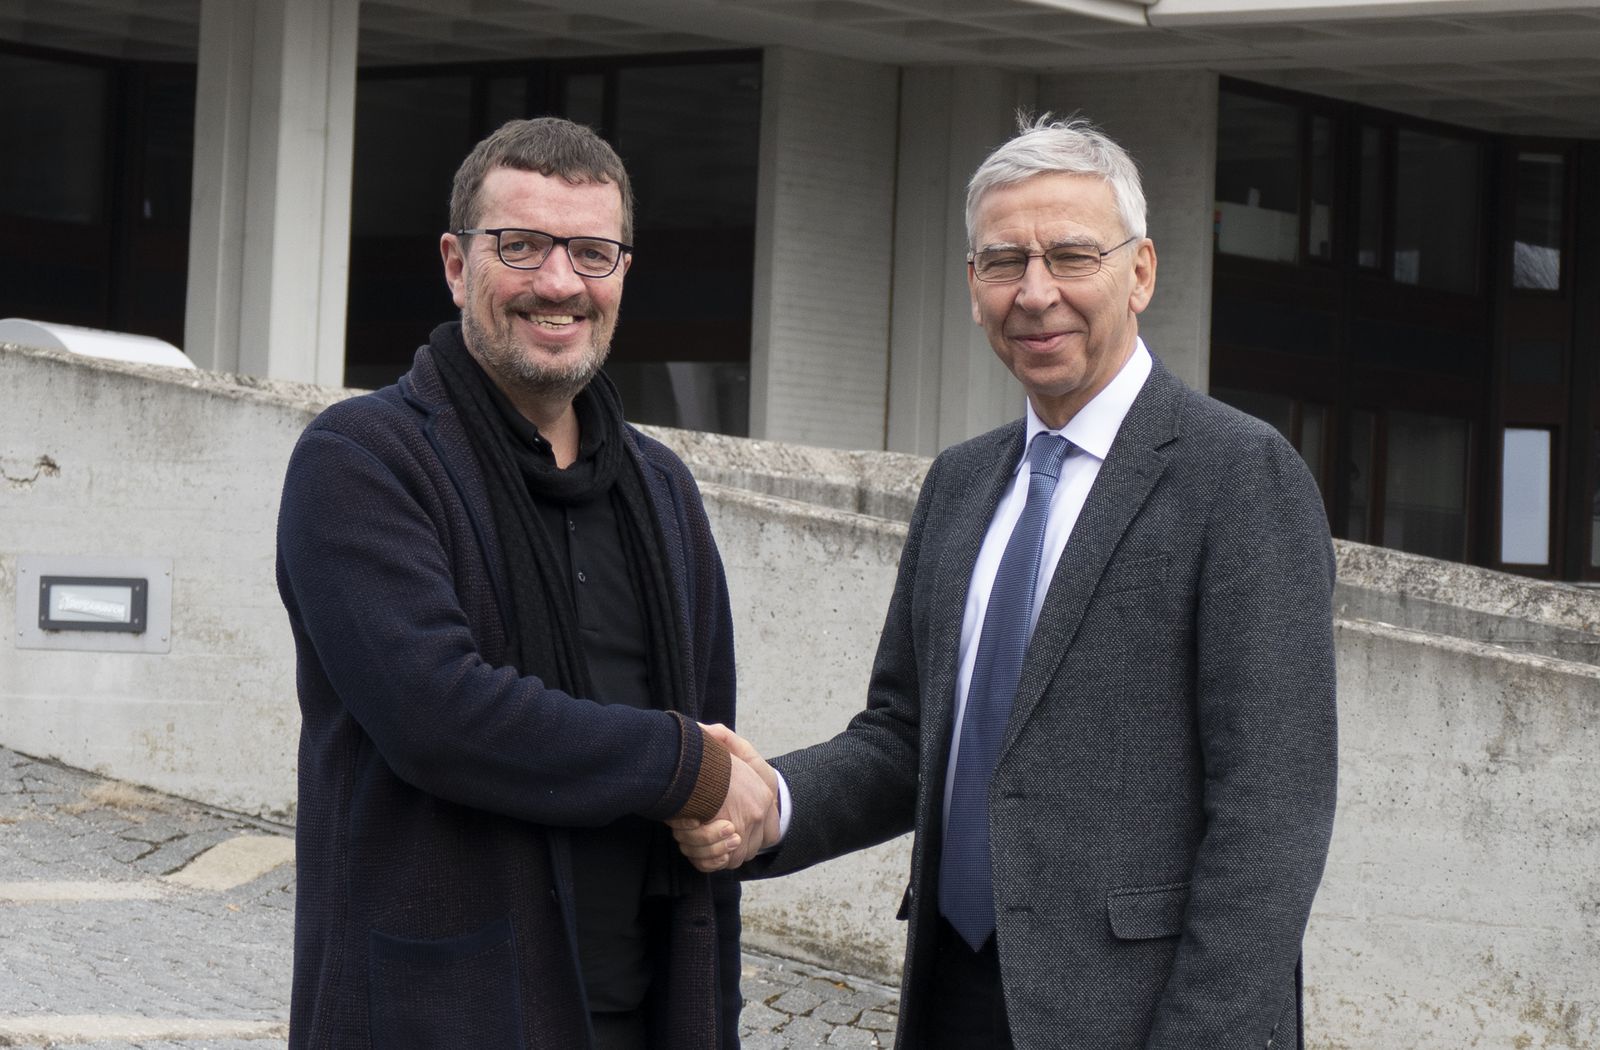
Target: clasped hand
(747, 823)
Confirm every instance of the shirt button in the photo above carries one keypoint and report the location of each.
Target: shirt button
(572, 526)
(582, 576)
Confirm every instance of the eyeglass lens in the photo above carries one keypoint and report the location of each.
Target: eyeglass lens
(1009, 264)
(528, 249)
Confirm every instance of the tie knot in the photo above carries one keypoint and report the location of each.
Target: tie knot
(1047, 453)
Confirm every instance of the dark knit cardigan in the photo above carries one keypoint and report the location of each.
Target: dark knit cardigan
(434, 903)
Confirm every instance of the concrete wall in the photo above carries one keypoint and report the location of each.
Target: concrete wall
(115, 460)
(945, 383)
(1461, 905)
(1462, 901)
(824, 250)
(1168, 122)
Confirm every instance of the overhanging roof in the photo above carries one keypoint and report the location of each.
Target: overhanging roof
(1522, 66)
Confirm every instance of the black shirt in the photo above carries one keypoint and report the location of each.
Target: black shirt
(609, 863)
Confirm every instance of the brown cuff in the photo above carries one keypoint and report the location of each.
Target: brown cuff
(711, 786)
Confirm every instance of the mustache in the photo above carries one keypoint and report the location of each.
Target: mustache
(577, 305)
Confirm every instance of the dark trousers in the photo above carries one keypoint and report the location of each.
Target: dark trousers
(966, 1003)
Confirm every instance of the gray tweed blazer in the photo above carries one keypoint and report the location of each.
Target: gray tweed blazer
(1162, 806)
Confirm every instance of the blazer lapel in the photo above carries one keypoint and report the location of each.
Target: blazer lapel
(976, 484)
(1132, 467)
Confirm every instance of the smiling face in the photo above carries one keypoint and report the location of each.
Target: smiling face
(1064, 339)
(543, 333)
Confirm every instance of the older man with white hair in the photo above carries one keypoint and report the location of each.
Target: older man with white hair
(1104, 693)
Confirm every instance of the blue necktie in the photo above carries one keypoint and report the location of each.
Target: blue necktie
(966, 889)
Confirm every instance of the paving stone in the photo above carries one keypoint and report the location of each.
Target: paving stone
(796, 1001)
(835, 1011)
(807, 1031)
(228, 956)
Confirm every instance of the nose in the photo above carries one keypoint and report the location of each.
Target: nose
(556, 280)
(1038, 289)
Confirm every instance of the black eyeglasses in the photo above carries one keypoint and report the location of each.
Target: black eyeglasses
(528, 250)
(1003, 265)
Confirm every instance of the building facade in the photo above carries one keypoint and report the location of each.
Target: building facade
(1378, 222)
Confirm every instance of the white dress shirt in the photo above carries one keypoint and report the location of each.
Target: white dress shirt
(1091, 432)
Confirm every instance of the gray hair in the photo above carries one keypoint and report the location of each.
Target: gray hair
(1046, 146)
(550, 146)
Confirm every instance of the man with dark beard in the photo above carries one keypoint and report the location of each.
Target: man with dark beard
(510, 620)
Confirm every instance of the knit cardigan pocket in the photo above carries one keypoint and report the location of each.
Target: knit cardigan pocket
(457, 992)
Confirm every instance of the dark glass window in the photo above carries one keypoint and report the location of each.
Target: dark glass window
(168, 168)
(584, 96)
(1425, 485)
(1258, 178)
(54, 115)
(689, 135)
(1319, 241)
(1536, 250)
(1369, 233)
(1358, 494)
(411, 135)
(688, 130)
(1594, 526)
(1436, 211)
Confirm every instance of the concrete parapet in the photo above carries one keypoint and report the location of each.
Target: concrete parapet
(882, 484)
(809, 587)
(1464, 601)
(109, 459)
(1461, 905)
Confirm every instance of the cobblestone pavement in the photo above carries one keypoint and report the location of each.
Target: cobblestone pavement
(137, 921)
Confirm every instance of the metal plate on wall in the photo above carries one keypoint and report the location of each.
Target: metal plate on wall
(156, 637)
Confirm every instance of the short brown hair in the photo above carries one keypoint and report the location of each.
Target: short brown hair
(549, 146)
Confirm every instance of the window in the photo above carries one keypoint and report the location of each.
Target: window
(1358, 493)
(1594, 502)
(1436, 210)
(1425, 485)
(1319, 238)
(1525, 496)
(1536, 248)
(56, 111)
(1369, 234)
(1258, 178)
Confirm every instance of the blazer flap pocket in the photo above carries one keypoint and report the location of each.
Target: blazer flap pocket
(1135, 574)
(1141, 913)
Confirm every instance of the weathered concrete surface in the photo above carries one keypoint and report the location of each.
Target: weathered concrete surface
(105, 458)
(1461, 905)
(1464, 601)
(809, 586)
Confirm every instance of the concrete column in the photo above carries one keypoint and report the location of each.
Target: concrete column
(1168, 121)
(945, 384)
(270, 222)
(824, 250)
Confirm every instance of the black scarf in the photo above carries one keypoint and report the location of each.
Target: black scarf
(542, 622)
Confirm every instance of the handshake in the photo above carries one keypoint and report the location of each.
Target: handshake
(747, 823)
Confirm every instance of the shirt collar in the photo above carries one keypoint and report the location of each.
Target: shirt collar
(1095, 426)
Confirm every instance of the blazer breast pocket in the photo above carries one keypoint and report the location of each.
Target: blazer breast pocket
(460, 991)
(1142, 913)
(1135, 574)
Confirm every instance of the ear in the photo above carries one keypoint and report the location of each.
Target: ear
(1144, 276)
(455, 265)
(972, 292)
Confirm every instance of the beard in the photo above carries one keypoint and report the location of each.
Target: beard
(521, 368)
